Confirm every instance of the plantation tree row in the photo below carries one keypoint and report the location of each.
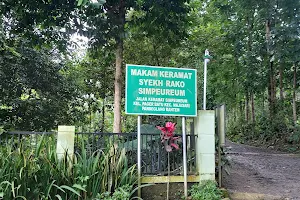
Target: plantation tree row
(255, 47)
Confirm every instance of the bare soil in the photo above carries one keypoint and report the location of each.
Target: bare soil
(159, 191)
(268, 173)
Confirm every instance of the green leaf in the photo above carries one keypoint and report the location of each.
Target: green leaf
(22, 197)
(70, 189)
(59, 188)
(79, 187)
(79, 2)
(59, 197)
(50, 186)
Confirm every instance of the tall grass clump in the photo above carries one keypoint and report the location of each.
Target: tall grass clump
(38, 173)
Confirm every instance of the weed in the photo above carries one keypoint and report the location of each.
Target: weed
(206, 191)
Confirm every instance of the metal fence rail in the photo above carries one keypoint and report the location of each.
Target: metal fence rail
(101, 141)
(154, 156)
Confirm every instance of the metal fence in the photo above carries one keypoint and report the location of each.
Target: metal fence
(154, 156)
(27, 139)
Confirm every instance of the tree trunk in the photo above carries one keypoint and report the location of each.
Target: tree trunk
(103, 95)
(272, 99)
(247, 108)
(280, 83)
(263, 102)
(117, 128)
(294, 95)
(118, 88)
(103, 115)
(271, 87)
(90, 104)
(252, 106)
(242, 107)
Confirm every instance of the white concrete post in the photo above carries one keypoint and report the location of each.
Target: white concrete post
(205, 144)
(65, 141)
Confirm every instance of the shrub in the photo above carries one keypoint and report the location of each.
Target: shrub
(206, 191)
(121, 193)
(39, 174)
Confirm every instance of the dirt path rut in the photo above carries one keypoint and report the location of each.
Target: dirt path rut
(256, 173)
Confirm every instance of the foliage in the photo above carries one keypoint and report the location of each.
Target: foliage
(253, 72)
(39, 174)
(167, 136)
(44, 24)
(254, 44)
(274, 130)
(205, 191)
(93, 106)
(120, 193)
(36, 95)
(109, 22)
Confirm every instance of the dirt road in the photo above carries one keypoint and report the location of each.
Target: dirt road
(257, 173)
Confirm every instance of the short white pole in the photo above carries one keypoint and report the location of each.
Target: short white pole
(139, 161)
(184, 157)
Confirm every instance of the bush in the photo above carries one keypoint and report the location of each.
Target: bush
(264, 129)
(39, 174)
(121, 193)
(206, 191)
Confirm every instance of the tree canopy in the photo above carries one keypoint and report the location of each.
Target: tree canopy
(254, 70)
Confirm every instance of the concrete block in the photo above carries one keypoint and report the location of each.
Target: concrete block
(206, 177)
(205, 122)
(66, 129)
(206, 144)
(207, 164)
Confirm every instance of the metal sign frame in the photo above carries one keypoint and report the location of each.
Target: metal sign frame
(194, 71)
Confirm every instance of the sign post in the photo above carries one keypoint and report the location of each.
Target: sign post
(139, 160)
(184, 156)
(161, 91)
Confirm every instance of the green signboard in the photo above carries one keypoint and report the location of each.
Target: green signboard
(160, 91)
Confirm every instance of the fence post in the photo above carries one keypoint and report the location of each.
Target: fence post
(205, 144)
(220, 115)
(65, 141)
(221, 124)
